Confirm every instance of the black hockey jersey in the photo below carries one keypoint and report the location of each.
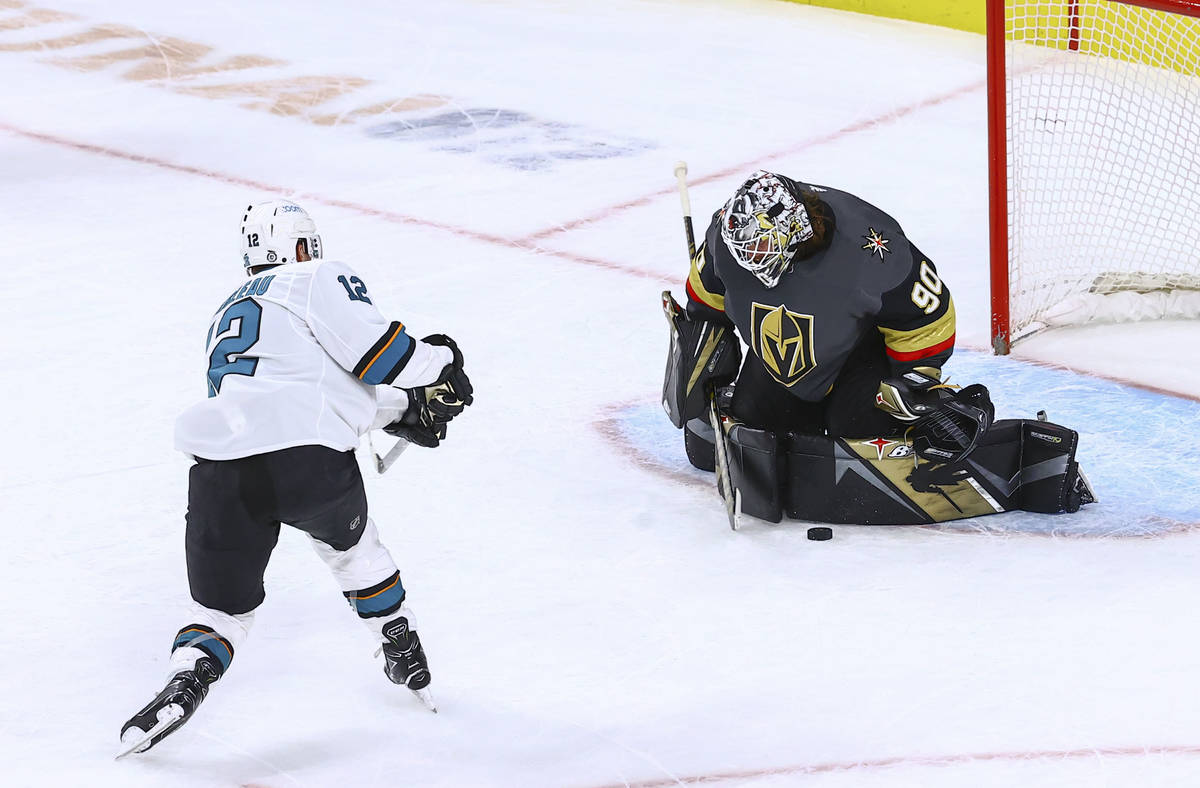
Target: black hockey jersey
(868, 277)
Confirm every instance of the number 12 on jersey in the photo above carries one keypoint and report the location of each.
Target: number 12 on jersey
(236, 332)
(355, 289)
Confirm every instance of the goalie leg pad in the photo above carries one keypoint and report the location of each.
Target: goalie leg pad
(755, 469)
(699, 445)
(1016, 464)
(1050, 476)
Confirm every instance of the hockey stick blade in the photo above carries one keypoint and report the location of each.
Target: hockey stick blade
(724, 480)
(167, 716)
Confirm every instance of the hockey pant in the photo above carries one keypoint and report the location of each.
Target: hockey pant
(366, 573)
(235, 508)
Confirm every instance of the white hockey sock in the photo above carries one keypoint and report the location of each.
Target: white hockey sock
(210, 633)
(368, 578)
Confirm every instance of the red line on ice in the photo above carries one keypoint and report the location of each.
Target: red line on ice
(359, 208)
(747, 166)
(883, 763)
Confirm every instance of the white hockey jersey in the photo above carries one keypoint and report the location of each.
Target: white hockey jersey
(294, 355)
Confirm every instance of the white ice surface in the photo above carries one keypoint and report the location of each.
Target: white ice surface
(589, 618)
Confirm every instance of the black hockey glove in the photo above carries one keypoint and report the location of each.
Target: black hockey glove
(947, 422)
(446, 397)
(704, 355)
(951, 432)
(913, 395)
(417, 425)
(432, 407)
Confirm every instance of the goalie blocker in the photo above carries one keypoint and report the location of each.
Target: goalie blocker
(1016, 464)
(703, 356)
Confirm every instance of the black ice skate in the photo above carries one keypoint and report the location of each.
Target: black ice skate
(404, 659)
(170, 709)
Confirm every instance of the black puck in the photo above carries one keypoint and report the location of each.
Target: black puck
(820, 533)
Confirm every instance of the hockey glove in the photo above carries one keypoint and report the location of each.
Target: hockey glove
(953, 430)
(432, 407)
(914, 394)
(417, 425)
(703, 356)
(446, 397)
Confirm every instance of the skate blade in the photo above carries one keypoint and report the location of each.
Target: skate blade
(426, 698)
(167, 716)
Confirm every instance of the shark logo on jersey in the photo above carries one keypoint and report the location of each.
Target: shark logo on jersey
(876, 243)
(783, 339)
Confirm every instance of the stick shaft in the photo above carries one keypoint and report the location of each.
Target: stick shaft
(686, 204)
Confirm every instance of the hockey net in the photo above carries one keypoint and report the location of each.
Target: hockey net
(1094, 127)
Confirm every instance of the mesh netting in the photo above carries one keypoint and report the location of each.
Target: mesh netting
(1103, 153)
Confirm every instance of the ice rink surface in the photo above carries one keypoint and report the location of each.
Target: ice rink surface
(502, 172)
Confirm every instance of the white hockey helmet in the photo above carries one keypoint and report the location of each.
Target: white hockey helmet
(273, 231)
(763, 225)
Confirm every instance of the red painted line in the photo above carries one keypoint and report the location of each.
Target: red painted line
(1133, 384)
(1136, 384)
(926, 761)
(359, 208)
(747, 166)
(609, 427)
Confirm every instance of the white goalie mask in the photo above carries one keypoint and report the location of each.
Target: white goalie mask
(763, 225)
(272, 232)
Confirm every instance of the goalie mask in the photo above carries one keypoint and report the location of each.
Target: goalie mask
(277, 232)
(763, 225)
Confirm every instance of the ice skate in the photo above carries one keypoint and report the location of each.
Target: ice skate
(170, 709)
(404, 659)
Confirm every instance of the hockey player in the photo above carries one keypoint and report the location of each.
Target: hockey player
(295, 357)
(848, 325)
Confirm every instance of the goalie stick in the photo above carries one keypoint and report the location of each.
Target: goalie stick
(730, 496)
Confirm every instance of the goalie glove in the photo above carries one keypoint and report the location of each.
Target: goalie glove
(703, 356)
(951, 432)
(915, 394)
(432, 407)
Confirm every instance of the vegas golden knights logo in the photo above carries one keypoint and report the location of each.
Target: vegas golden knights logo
(784, 341)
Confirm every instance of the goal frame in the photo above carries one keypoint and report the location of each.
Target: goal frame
(998, 148)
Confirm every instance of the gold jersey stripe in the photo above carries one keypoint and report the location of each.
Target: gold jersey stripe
(696, 286)
(919, 339)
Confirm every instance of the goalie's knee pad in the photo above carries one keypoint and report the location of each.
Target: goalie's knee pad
(754, 470)
(699, 444)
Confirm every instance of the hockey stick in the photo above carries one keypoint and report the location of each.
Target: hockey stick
(382, 463)
(686, 204)
(729, 495)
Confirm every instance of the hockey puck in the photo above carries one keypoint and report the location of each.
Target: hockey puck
(820, 534)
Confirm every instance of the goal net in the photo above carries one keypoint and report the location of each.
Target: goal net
(1094, 134)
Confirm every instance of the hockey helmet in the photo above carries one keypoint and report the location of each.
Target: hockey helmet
(763, 225)
(272, 231)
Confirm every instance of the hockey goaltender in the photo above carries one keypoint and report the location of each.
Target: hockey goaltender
(839, 413)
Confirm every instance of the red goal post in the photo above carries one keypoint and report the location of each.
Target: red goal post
(1094, 162)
